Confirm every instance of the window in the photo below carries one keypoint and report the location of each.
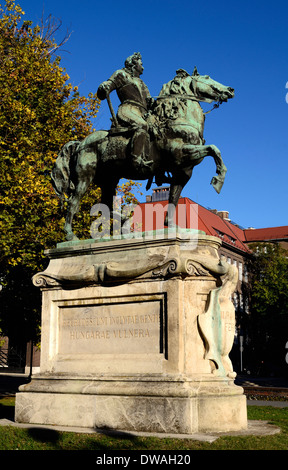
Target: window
(219, 234)
(241, 303)
(235, 300)
(231, 239)
(245, 273)
(240, 271)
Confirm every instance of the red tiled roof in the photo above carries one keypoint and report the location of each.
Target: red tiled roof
(192, 215)
(225, 230)
(270, 233)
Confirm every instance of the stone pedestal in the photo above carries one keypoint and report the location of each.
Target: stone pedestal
(136, 335)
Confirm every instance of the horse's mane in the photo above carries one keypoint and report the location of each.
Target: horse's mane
(169, 103)
(179, 85)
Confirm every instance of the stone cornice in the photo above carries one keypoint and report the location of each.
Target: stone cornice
(88, 262)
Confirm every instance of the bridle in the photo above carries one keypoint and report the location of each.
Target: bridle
(216, 105)
(194, 98)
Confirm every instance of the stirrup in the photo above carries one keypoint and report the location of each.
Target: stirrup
(141, 162)
(147, 163)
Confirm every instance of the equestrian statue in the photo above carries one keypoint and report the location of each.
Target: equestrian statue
(149, 139)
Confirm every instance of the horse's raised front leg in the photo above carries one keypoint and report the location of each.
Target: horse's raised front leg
(221, 170)
(194, 154)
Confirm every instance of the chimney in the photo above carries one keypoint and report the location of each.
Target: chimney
(224, 215)
(160, 194)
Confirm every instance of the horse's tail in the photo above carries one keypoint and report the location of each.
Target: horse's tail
(60, 175)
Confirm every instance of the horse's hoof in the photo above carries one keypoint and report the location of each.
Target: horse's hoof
(217, 184)
(71, 237)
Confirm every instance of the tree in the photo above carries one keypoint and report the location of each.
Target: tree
(269, 303)
(39, 112)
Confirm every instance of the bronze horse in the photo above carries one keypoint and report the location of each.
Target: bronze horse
(176, 147)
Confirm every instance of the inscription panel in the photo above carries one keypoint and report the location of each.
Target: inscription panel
(119, 328)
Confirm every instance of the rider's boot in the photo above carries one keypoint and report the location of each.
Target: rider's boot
(139, 146)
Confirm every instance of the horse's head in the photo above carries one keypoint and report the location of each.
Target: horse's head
(207, 89)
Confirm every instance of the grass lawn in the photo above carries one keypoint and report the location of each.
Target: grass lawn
(12, 438)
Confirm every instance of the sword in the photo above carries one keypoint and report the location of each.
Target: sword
(114, 119)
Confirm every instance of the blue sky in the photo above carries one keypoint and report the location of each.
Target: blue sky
(242, 44)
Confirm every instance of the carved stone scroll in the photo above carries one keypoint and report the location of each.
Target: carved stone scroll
(157, 265)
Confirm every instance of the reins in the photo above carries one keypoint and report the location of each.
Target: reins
(192, 98)
(216, 105)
